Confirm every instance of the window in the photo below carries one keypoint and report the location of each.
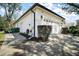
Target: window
(29, 24)
(41, 17)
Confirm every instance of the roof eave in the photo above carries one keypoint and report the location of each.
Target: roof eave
(37, 4)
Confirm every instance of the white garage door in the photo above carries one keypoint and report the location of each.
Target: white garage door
(55, 28)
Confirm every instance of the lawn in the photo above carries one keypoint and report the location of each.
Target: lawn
(1, 37)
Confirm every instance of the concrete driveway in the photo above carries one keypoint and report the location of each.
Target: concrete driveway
(58, 45)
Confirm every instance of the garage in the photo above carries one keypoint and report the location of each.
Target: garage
(44, 31)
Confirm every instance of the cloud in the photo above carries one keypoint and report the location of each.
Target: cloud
(48, 5)
(2, 11)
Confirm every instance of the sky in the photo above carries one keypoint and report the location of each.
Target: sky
(52, 6)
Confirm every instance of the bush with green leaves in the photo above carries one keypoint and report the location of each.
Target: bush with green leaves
(71, 30)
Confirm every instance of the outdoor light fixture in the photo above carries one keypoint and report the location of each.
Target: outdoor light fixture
(41, 17)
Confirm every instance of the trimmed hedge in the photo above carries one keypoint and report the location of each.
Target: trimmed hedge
(13, 30)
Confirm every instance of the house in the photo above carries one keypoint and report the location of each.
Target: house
(39, 20)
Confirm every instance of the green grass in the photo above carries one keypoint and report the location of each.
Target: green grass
(1, 37)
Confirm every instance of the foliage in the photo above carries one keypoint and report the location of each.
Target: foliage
(2, 23)
(10, 10)
(69, 7)
(15, 30)
(12, 30)
(72, 30)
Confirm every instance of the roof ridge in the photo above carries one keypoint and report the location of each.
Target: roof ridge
(37, 4)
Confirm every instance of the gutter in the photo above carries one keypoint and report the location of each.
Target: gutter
(34, 22)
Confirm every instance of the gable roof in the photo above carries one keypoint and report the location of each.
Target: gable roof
(37, 4)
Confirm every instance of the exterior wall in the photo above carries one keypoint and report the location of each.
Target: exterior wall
(47, 19)
(26, 23)
(42, 17)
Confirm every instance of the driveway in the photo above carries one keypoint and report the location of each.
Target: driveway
(10, 39)
(58, 45)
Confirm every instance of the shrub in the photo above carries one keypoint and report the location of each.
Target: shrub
(72, 30)
(15, 30)
(12, 30)
(65, 31)
(76, 33)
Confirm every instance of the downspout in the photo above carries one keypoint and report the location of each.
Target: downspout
(34, 22)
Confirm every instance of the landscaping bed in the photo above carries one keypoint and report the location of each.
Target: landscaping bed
(34, 38)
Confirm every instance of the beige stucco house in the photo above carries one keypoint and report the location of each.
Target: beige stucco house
(38, 18)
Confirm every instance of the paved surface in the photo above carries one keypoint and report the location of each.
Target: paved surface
(10, 39)
(13, 38)
(67, 45)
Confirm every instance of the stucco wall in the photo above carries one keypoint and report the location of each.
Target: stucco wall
(42, 17)
(47, 19)
(26, 22)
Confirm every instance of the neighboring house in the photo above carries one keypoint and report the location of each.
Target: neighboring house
(39, 19)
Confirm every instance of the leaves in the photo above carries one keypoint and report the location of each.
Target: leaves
(10, 9)
(2, 20)
(70, 7)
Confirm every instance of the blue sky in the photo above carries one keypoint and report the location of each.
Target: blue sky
(52, 6)
(26, 6)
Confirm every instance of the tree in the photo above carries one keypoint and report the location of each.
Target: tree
(2, 21)
(10, 10)
(70, 7)
(1, 24)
